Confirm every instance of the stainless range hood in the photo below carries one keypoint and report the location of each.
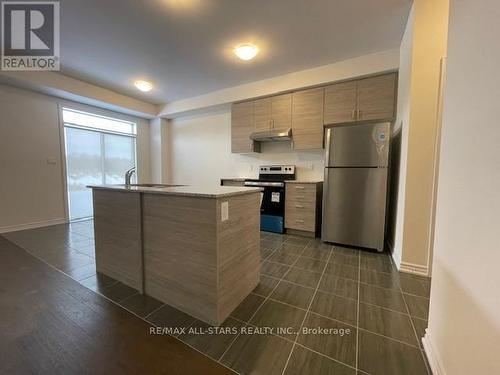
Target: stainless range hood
(272, 135)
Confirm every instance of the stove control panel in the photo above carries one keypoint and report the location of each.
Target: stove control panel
(277, 169)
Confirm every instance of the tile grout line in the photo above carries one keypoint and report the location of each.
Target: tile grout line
(126, 298)
(357, 312)
(155, 310)
(303, 346)
(263, 302)
(328, 318)
(422, 353)
(274, 250)
(308, 310)
(279, 280)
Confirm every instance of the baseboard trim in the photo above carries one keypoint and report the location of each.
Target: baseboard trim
(396, 257)
(415, 269)
(38, 224)
(432, 356)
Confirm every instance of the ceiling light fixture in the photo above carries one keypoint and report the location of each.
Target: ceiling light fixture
(246, 51)
(144, 86)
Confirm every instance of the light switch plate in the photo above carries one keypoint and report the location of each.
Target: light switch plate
(224, 211)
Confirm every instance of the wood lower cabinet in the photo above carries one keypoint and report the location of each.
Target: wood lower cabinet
(242, 125)
(307, 119)
(340, 103)
(303, 208)
(376, 98)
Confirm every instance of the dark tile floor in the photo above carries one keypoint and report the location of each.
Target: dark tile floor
(318, 309)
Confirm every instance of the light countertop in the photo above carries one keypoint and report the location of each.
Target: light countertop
(287, 181)
(303, 182)
(206, 191)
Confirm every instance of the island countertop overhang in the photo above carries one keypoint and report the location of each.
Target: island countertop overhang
(203, 191)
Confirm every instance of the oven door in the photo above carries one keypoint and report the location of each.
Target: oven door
(272, 207)
(272, 210)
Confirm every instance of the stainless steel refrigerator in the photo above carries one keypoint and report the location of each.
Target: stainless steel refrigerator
(355, 186)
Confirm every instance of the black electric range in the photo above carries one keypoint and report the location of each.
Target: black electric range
(272, 208)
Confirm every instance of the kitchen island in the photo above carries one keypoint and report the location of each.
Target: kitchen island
(195, 248)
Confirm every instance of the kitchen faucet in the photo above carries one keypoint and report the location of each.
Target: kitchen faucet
(128, 176)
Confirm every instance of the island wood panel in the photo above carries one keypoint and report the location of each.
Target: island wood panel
(307, 119)
(117, 231)
(180, 253)
(239, 251)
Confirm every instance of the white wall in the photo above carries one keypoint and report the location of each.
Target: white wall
(399, 150)
(157, 148)
(464, 320)
(32, 190)
(422, 49)
(199, 149)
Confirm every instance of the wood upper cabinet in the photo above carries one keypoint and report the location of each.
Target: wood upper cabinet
(263, 112)
(376, 97)
(361, 100)
(273, 113)
(281, 111)
(307, 111)
(242, 125)
(307, 119)
(340, 102)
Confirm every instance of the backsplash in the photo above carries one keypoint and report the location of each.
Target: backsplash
(199, 152)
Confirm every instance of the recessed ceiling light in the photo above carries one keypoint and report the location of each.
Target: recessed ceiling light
(246, 51)
(144, 86)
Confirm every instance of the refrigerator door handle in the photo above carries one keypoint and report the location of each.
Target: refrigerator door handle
(324, 203)
(328, 132)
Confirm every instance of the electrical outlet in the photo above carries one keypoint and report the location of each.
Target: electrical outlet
(224, 211)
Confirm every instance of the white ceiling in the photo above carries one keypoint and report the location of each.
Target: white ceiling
(185, 46)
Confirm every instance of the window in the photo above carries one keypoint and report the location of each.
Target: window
(99, 150)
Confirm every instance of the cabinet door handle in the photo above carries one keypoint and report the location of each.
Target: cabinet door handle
(359, 114)
(299, 187)
(299, 221)
(353, 114)
(298, 206)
